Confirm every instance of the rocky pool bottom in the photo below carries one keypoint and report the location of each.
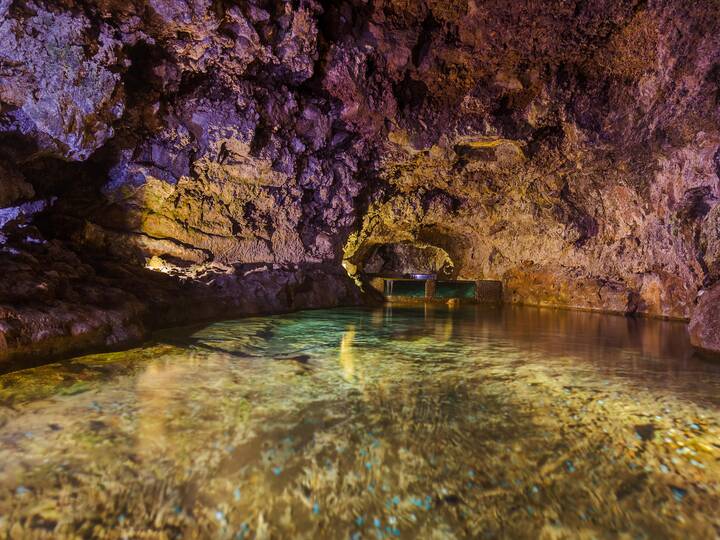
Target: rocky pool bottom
(353, 423)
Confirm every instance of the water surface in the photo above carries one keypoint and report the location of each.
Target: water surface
(351, 423)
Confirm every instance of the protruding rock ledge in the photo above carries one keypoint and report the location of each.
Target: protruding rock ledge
(705, 322)
(85, 316)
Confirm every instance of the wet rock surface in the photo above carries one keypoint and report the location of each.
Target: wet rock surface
(705, 323)
(569, 149)
(54, 304)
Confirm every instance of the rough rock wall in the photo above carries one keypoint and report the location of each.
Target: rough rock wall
(403, 259)
(567, 148)
(190, 139)
(204, 133)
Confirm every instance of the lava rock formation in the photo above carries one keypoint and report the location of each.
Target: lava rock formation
(168, 161)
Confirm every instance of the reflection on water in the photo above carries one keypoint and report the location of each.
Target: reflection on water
(398, 422)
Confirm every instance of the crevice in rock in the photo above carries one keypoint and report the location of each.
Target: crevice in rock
(429, 26)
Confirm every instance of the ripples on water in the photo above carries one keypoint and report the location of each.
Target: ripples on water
(349, 423)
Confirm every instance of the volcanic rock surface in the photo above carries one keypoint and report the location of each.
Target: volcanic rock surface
(164, 161)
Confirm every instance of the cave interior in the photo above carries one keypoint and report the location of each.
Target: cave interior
(472, 236)
(244, 157)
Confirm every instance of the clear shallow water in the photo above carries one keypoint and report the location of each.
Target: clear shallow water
(348, 423)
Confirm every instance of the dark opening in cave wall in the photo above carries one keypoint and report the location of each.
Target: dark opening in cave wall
(167, 161)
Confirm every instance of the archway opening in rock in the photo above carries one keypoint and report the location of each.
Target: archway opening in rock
(406, 259)
(413, 270)
(411, 260)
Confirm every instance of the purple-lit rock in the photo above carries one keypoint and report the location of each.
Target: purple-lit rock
(60, 77)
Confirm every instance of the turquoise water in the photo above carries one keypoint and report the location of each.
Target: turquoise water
(387, 423)
(455, 289)
(409, 288)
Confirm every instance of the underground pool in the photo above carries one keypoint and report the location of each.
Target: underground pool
(409, 422)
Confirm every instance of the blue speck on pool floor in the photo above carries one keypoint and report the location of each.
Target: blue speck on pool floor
(316, 508)
(678, 493)
(277, 470)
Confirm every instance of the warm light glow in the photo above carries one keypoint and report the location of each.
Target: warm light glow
(158, 264)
